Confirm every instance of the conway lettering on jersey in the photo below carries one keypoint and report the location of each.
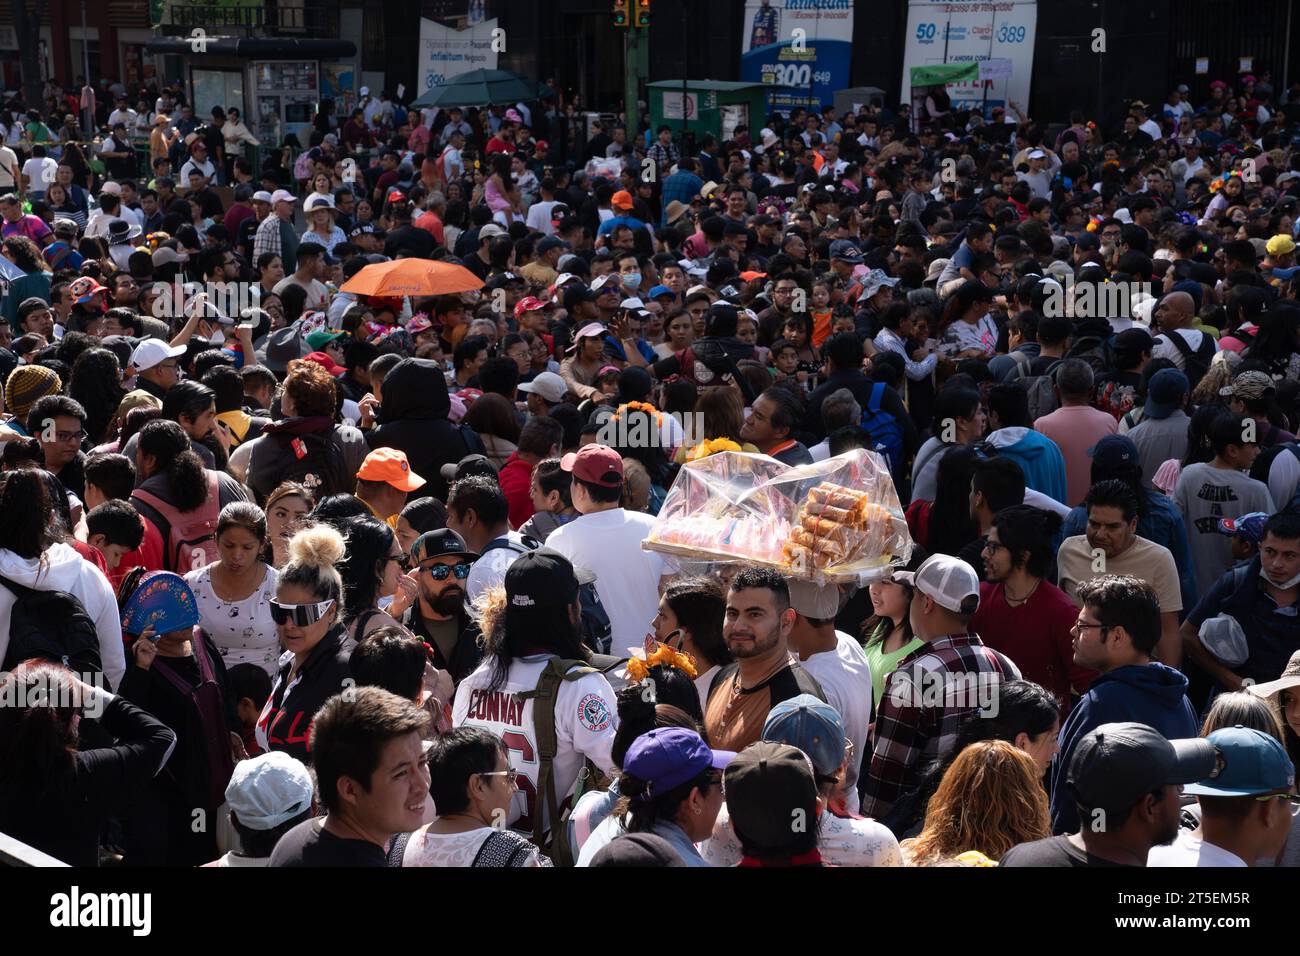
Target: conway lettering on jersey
(75, 909)
(496, 705)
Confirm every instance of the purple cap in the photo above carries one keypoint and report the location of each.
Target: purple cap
(1249, 526)
(668, 757)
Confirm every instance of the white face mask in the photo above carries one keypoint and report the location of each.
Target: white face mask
(1284, 585)
(384, 603)
(218, 337)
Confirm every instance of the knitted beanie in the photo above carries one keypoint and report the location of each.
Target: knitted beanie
(26, 385)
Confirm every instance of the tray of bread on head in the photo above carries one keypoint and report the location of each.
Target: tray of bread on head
(837, 520)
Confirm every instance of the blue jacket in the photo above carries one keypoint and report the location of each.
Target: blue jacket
(1037, 455)
(1163, 525)
(1151, 694)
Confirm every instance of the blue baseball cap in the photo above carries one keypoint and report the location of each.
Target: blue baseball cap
(1250, 763)
(1164, 391)
(1249, 526)
(813, 726)
(659, 290)
(668, 757)
(1113, 451)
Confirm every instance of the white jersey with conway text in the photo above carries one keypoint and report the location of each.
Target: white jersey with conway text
(585, 721)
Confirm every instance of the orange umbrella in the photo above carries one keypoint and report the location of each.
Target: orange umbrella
(412, 277)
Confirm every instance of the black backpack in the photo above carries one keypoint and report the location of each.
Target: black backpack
(597, 630)
(314, 460)
(1195, 362)
(52, 626)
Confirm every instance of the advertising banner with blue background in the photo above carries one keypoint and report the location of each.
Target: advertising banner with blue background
(804, 68)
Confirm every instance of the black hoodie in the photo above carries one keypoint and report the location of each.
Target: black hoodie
(414, 419)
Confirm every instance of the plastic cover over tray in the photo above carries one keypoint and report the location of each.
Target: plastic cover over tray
(837, 520)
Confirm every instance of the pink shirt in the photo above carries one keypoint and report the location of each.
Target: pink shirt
(1075, 429)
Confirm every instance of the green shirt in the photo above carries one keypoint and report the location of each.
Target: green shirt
(882, 664)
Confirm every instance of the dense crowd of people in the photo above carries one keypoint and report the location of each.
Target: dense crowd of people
(327, 578)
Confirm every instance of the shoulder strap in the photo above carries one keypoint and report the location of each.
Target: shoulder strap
(19, 590)
(876, 397)
(1022, 361)
(398, 849)
(207, 673)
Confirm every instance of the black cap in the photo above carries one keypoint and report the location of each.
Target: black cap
(1115, 765)
(637, 849)
(438, 543)
(543, 578)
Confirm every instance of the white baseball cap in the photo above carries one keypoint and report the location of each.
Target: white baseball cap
(262, 196)
(268, 790)
(1037, 154)
(152, 352)
(548, 385)
(365, 91)
(632, 303)
(601, 281)
(950, 582)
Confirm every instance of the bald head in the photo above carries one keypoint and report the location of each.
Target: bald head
(1175, 311)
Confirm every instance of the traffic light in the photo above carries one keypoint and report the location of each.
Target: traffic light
(621, 13)
(643, 13)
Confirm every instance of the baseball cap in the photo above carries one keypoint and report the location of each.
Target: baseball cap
(490, 231)
(634, 304)
(874, 281)
(262, 196)
(550, 242)
(1249, 526)
(1251, 384)
(1280, 245)
(659, 290)
(597, 464)
(609, 278)
(361, 229)
(268, 790)
(475, 464)
(766, 784)
(846, 251)
(437, 543)
(390, 465)
(282, 195)
(1037, 154)
(153, 352)
(85, 288)
(327, 363)
(543, 577)
(589, 331)
(528, 303)
(1115, 765)
(1113, 451)
(1252, 763)
(1164, 390)
(813, 726)
(323, 337)
(668, 757)
(950, 582)
(622, 199)
(817, 601)
(166, 255)
(548, 385)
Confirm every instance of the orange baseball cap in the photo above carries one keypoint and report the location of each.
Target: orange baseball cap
(622, 199)
(390, 465)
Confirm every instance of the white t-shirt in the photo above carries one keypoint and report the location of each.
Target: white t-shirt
(242, 630)
(489, 571)
(40, 173)
(8, 162)
(1152, 129)
(843, 841)
(539, 217)
(609, 544)
(845, 676)
(1190, 850)
(205, 167)
(317, 293)
(450, 849)
(703, 682)
(585, 722)
(1163, 348)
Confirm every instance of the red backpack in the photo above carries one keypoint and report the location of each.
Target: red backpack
(190, 538)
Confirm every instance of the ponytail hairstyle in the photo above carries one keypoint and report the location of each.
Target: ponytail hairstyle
(643, 808)
(166, 442)
(243, 514)
(313, 552)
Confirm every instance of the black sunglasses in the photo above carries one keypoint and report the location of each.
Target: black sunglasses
(439, 572)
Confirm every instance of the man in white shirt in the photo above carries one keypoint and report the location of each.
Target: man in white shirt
(38, 172)
(607, 539)
(840, 666)
(1145, 123)
(10, 173)
(1176, 312)
(1245, 806)
(123, 114)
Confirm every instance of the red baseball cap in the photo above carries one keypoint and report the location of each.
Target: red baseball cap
(598, 464)
(325, 362)
(528, 304)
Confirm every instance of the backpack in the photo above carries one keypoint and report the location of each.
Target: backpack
(52, 626)
(1195, 362)
(555, 673)
(883, 427)
(1041, 390)
(597, 629)
(315, 461)
(1094, 350)
(189, 538)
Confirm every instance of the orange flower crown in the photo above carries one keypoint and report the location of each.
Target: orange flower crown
(638, 669)
(711, 447)
(640, 407)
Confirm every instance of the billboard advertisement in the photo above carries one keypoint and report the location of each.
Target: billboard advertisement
(800, 48)
(1001, 32)
(446, 53)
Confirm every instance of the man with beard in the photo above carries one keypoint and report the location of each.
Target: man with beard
(1124, 780)
(756, 628)
(441, 564)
